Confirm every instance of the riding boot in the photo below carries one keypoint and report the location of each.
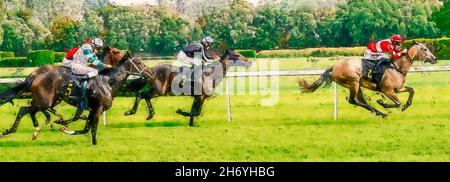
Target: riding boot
(377, 67)
(83, 105)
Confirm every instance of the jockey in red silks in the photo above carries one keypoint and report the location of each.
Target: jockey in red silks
(385, 50)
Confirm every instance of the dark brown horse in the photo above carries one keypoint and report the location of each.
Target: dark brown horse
(167, 83)
(348, 73)
(46, 83)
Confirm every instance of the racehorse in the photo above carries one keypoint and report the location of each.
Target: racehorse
(46, 87)
(167, 77)
(348, 74)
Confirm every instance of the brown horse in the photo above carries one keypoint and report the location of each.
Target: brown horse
(348, 73)
(167, 77)
(46, 83)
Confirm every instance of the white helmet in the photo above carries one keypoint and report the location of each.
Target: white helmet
(207, 40)
(98, 43)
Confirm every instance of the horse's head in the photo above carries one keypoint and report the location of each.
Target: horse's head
(422, 53)
(112, 55)
(116, 58)
(235, 59)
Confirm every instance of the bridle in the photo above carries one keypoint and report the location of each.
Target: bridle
(139, 71)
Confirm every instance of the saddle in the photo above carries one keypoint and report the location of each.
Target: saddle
(375, 74)
(74, 86)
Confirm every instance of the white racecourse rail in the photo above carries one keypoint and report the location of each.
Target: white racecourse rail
(276, 73)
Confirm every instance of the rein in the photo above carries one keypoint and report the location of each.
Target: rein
(410, 60)
(139, 71)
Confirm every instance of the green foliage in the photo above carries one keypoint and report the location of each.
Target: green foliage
(65, 34)
(440, 46)
(41, 57)
(236, 25)
(248, 53)
(15, 62)
(6, 54)
(59, 56)
(169, 38)
(379, 19)
(17, 36)
(442, 17)
(313, 52)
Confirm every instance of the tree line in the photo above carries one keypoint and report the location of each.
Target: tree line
(239, 25)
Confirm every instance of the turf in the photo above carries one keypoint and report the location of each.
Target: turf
(299, 128)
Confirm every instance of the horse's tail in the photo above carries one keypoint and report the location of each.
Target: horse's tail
(9, 94)
(325, 79)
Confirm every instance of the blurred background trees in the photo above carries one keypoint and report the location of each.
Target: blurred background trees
(166, 25)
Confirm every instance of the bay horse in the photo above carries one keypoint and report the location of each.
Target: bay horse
(167, 77)
(348, 73)
(46, 83)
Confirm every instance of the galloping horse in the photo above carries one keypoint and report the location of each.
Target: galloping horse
(166, 77)
(46, 87)
(349, 75)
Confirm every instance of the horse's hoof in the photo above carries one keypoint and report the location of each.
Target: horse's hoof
(36, 133)
(404, 108)
(35, 136)
(127, 113)
(149, 117)
(6, 132)
(379, 101)
(179, 111)
(384, 116)
(2, 136)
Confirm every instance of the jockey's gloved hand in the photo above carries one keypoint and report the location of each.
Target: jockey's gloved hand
(405, 51)
(107, 66)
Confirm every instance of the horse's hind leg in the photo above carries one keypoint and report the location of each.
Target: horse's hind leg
(47, 117)
(391, 95)
(37, 129)
(357, 98)
(22, 112)
(196, 109)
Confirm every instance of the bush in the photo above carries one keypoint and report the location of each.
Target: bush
(59, 56)
(440, 46)
(41, 57)
(248, 53)
(313, 52)
(6, 54)
(15, 62)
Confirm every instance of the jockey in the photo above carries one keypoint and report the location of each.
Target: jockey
(78, 58)
(194, 56)
(377, 51)
(82, 56)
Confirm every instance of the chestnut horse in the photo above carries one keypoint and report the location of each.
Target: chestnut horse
(45, 85)
(167, 78)
(348, 73)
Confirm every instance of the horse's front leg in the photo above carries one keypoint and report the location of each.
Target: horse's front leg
(78, 115)
(135, 106)
(410, 97)
(151, 111)
(393, 97)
